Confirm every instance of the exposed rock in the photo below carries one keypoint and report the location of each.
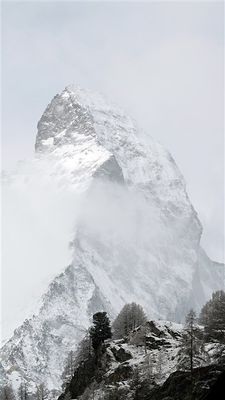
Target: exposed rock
(121, 354)
(121, 373)
(179, 385)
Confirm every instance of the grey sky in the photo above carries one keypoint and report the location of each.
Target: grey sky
(162, 62)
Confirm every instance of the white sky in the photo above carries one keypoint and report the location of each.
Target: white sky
(161, 61)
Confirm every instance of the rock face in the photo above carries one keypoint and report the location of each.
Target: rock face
(138, 236)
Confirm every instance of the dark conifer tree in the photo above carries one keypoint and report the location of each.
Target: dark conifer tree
(6, 393)
(191, 352)
(212, 316)
(101, 330)
(23, 391)
(42, 392)
(130, 317)
(69, 369)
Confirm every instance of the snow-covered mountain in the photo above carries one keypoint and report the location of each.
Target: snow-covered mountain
(137, 237)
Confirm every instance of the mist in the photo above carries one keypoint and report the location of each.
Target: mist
(44, 214)
(38, 223)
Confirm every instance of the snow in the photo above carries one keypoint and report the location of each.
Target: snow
(134, 236)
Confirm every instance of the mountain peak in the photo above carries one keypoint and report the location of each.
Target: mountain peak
(87, 98)
(76, 111)
(80, 121)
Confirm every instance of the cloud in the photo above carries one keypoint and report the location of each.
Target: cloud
(38, 223)
(162, 62)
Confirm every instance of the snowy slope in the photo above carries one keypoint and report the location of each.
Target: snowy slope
(37, 349)
(137, 237)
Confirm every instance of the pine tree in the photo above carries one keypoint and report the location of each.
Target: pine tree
(212, 316)
(84, 350)
(69, 369)
(130, 317)
(205, 313)
(23, 391)
(67, 396)
(191, 350)
(6, 393)
(42, 392)
(101, 330)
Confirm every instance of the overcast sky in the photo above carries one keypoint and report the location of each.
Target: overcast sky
(162, 62)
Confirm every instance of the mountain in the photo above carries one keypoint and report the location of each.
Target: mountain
(137, 237)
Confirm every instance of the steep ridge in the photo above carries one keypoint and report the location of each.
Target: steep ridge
(137, 238)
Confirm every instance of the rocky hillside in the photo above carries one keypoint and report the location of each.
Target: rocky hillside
(142, 367)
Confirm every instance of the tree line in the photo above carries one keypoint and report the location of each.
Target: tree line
(197, 331)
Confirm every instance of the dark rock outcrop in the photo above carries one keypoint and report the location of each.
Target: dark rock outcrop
(120, 354)
(205, 383)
